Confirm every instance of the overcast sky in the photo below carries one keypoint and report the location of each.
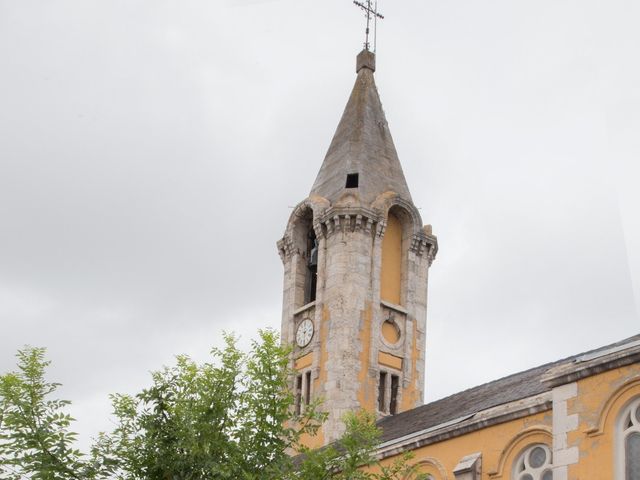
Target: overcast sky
(151, 151)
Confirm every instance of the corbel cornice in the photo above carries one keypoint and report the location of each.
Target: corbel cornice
(422, 243)
(286, 247)
(347, 219)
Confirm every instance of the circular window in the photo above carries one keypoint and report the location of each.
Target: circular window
(390, 332)
(534, 464)
(537, 457)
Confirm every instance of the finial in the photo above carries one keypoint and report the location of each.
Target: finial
(369, 13)
(366, 59)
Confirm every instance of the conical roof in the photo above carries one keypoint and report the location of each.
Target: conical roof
(362, 145)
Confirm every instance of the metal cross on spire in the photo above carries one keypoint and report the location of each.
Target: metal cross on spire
(370, 12)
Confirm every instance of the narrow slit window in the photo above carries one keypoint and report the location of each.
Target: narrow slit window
(352, 180)
(393, 403)
(298, 404)
(311, 283)
(307, 388)
(382, 388)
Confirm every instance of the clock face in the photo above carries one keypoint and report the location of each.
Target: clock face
(304, 333)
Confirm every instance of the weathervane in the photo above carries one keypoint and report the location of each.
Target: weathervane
(369, 13)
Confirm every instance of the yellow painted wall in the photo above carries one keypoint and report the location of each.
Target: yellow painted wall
(390, 360)
(391, 271)
(600, 401)
(390, 332)
(317, 440)
(598, 404)
(367, 391)
(500, 446)
(366, 394)
(304, 361)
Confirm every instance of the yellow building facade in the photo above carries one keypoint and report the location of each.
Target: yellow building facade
(576, 419)
(356, 259)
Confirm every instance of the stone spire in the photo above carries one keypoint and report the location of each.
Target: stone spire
(362, 145)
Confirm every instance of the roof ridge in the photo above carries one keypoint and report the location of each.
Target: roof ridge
(544, 365)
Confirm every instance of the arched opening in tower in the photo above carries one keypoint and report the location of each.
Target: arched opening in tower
(391, 271)
(311, 281)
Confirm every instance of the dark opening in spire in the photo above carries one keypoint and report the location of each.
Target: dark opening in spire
(352, 180)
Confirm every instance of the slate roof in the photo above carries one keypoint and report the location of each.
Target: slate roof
(505, 390)
(362, 144)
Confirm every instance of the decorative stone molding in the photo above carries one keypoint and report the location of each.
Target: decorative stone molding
(398, 317)
(316, 204)
(336, 222)
(358, 225)
(424, 243)
(382, 227)
(318, 230)
(419, 244)
(433, 464)
(538, 434)
(286, 247)
(621, 395)
(469, 467)
(394, 307)
(313, 205)
(327, 221)
(305, 308)
(431, 256)
(346, 219)
(368, 225)
(387, 200)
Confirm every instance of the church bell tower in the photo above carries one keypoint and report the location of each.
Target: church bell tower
(356, 260)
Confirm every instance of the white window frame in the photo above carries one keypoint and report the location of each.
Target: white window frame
(522, 461)
(622, 432)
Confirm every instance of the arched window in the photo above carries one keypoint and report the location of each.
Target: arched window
(306, 267)
(629, 440)
(311, 281)
(534, 463)
(392, 259)
(427, 469)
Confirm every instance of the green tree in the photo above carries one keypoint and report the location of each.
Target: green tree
(344, 459)
(231, 418)
(35, 440)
